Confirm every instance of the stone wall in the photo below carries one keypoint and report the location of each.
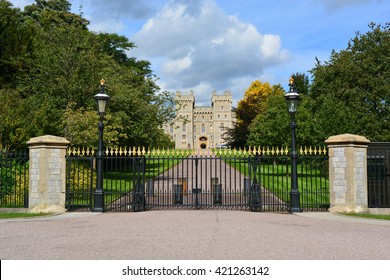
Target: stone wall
(348, 173)
(47, 174)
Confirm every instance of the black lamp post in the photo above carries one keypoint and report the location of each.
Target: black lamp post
(292, 98)
(101, 100)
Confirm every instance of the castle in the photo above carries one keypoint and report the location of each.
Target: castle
(200, 127)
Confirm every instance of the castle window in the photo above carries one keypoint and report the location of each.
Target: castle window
(203, 128)
(194, 128)
(171, 129)
(222, 127)
(184, 128)
(221, 107)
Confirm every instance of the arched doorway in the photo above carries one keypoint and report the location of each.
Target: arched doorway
(203, 142)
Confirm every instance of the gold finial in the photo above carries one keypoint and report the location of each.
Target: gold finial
(291, 81)
(102, 82)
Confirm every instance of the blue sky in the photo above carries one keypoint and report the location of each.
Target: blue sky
(206, 45)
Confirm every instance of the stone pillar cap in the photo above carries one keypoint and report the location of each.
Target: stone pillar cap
(48, 140)
(347, 139)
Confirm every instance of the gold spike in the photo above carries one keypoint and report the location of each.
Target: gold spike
(315, 150)
(325, 150)
(310, 150)
(277, 151)
(272, 151)
(143, 151)
(301, 150)
(148, 153)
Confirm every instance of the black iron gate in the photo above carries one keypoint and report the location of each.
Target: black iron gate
(197, 182)
(378, 172)
(184, 179)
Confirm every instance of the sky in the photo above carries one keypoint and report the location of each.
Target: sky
(225, 45)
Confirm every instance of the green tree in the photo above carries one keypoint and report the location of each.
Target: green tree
(15, 45)
(272, 128)
(55, 76)
(351, 90)
(253, 104)
(301, 82)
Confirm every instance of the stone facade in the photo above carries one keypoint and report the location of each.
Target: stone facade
(201, 127)
(47, 174)
(348, 173)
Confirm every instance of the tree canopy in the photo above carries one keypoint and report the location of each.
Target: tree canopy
(352, 89)
(51, 65)
(253, 104)
(350, 93)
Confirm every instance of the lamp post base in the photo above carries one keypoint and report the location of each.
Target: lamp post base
(98, 202)
(295, 202)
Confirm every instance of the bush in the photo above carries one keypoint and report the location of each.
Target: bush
(80, 179)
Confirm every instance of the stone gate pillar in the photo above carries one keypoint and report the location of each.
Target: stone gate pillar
(348, 173)
(47, 174)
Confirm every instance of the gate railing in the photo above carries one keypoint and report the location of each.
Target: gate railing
(14, 178)
(256, 179)
(378, 172)
(271, 169)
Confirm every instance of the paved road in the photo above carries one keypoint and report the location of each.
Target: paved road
(194, 234)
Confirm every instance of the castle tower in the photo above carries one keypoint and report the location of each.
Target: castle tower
(200, 127)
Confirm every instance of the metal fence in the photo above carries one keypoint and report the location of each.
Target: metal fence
(14, 178)
(254, 180)
(378, 172)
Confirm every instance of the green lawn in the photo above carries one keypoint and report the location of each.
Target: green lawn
(274, 174)
(20, 215)
(370, 216)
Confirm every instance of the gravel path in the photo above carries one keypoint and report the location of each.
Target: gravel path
(194, 234)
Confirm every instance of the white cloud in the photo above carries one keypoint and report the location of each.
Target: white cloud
(202, 48)
(177, 66)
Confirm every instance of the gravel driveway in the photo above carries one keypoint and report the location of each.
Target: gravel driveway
(195, 234)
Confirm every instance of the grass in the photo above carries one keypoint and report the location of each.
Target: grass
(20, 215)
(370, 216)
(274, 174)
(124, 174)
